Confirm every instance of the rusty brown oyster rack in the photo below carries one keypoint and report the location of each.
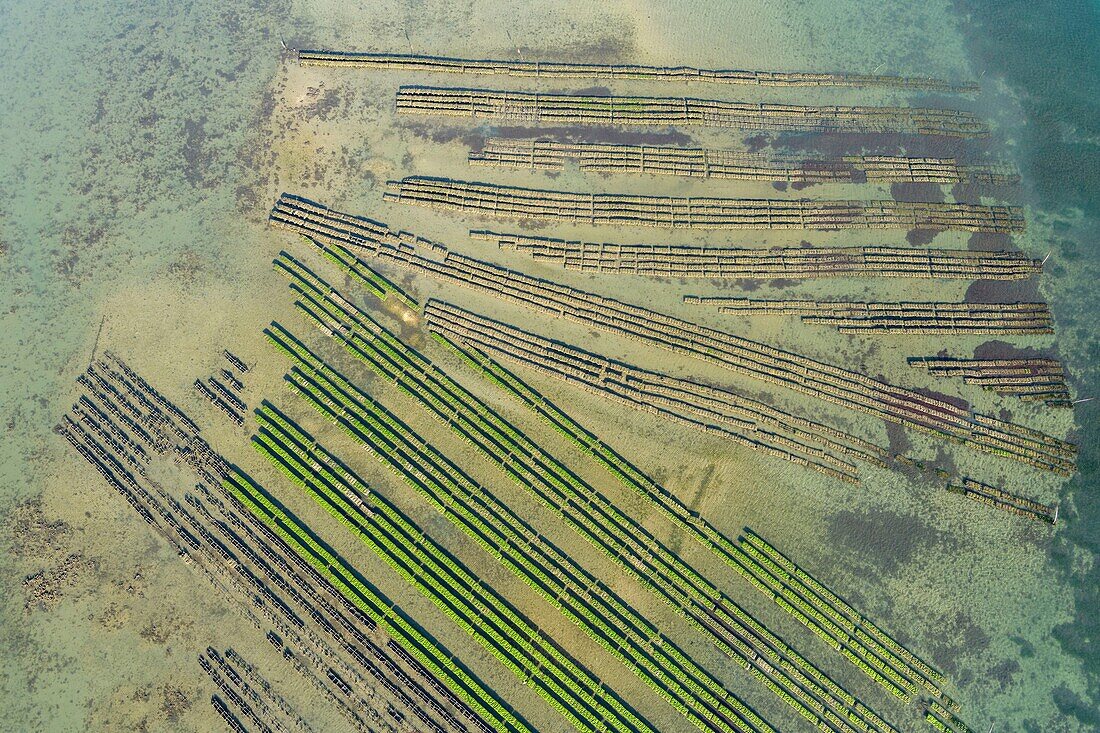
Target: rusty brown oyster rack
(122, 426)
(1032, 380)
(776, 366)
(792, 263)
(910, 318)
(511, 202)
(1006, 501)
(733, 164)
(217, 399)
(256, 688)
(235, 689)
(588, 109)
(235, 361)
(568, 70)
(751, 423)
(702, 406)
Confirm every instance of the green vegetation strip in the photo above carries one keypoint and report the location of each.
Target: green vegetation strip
(476, 608)
(375, 282)
(333, 569)
(605, 617)
(790, 580)
(580, 596)
(788, 681)
(944, 720)
(863, 643)
(733, 630)
(633, 478)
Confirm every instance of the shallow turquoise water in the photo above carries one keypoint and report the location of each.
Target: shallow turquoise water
(1049, 54)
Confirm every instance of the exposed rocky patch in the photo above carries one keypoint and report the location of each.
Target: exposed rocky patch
(159, 630)
(175, 701)
(44, 590)
(114, 617)
(32, 535)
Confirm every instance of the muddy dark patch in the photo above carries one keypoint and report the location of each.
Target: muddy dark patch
(194, 151)
(474, 140)
(532, 225)
(1070, 704)
(959, 636)
(990, 242)
(942, 462)
(232, 22)
(160, 630)
(756, 143)
(704, 484)
(1003, 350)
(1027, 649)
(1068, 250)
(779, 185)
(880, 540)
(31, 534)
(999, 291)
(615, 46)
(898, 439)
(920, 237)
(267, 107)
(328, 104)
(187, 266)
(1004, 672)
(593, 91)
(832, 144)
(974, 192)
(740, 284)
(100, 109)
(248, 200)
(44, 590)
(175, 701)
(157, 632)
(90, 233)
(65, 265)
(919, 192)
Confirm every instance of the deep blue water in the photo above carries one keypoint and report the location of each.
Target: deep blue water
(1049, 53)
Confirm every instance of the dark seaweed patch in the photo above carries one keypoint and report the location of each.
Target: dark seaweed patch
(880, 539)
